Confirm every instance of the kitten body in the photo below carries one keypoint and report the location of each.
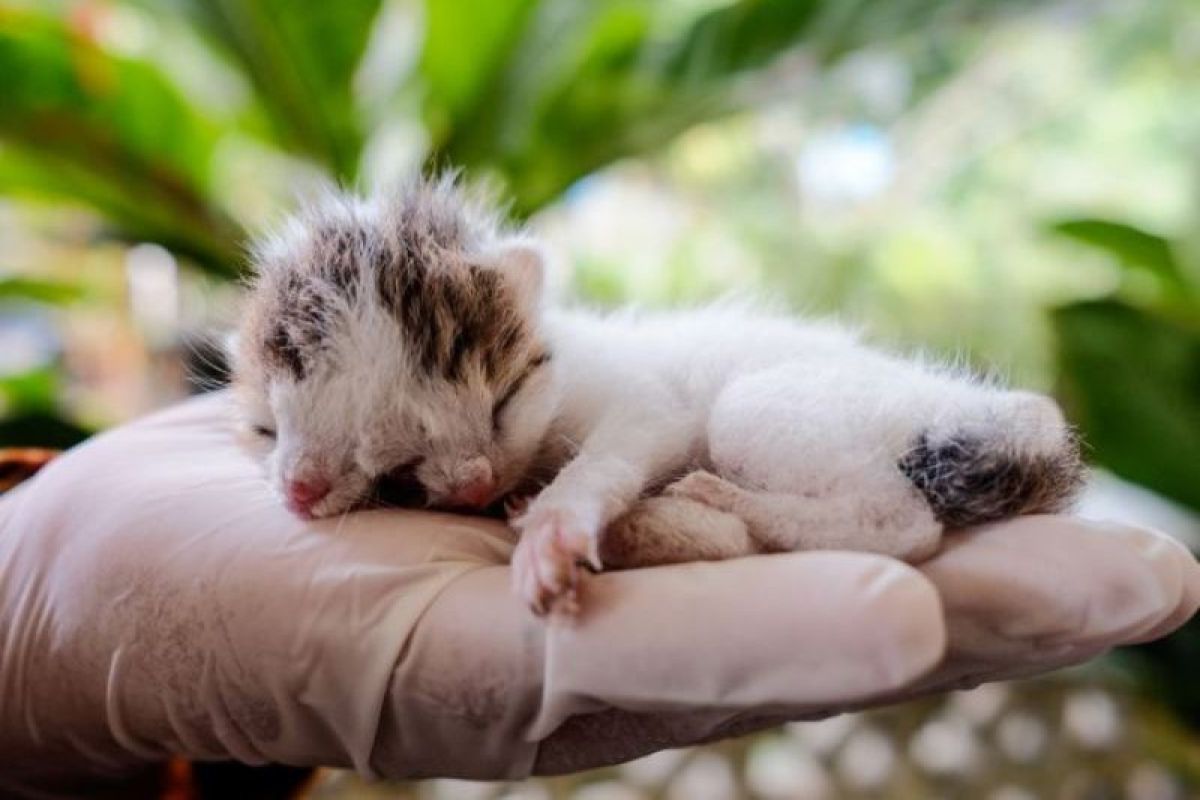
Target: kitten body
(407, 334)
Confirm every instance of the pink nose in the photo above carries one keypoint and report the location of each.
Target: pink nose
(302, 495)
(474, 494)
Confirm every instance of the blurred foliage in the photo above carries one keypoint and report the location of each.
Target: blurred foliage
(42, 291)
(536, 94)
(1131, 380)
(559, 89)
(30, 399)
(1130, 377)
(1130, 364)
(81, 124)
(300, 61)
(153, 137)
(1132, 247)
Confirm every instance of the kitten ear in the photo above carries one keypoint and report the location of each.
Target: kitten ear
(523, 265)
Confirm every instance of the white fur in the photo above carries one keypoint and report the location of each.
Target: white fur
(804, 425)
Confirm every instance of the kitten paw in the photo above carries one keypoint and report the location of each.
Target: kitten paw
(545, 565)
(706, 488)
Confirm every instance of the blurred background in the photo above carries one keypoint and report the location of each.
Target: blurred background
(1011, 184)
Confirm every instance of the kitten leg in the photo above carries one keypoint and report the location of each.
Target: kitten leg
(562, 526)
(885, 446)
(673, 530)
(807, 455)
(545, 565)
(890, 520)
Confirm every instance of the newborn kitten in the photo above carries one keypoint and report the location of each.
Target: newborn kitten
(405, 336)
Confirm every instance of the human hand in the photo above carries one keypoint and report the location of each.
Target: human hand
(156, 600)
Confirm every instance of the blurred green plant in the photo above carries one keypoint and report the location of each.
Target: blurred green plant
(31, 416)
(37, 290)
(1133, 248)
(1129, 363)
(80, 124)
(536, 94)
(300, 60)
(1130, 377)
(29, 400)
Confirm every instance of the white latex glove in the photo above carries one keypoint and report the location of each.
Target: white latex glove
(155, 600)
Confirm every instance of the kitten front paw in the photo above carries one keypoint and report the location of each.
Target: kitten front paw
(545, 565)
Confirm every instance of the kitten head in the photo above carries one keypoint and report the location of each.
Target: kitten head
(400, 337)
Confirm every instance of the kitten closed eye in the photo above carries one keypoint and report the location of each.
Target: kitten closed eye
(506, 398)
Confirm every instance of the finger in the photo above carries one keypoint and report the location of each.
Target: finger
(534, 592)
(691, 646)
(1041, 591)
(524, 580)
(1152, 584)
(788, 630)
(1169, 554)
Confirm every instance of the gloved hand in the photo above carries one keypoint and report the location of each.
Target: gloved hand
(156, 600)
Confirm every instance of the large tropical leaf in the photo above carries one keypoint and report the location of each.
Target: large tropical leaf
(81, 124)
(1131, 380)
(300, 58)
(583, 83)
(1131, 246)
(545, 93)
(465, 43)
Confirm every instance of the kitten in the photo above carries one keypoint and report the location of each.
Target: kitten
(405, 336)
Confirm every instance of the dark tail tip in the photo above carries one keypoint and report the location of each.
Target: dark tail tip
(970, 479)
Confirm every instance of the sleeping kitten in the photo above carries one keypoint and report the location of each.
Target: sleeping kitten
(405, 336)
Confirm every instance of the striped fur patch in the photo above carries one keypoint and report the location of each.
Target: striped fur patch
(422, 258)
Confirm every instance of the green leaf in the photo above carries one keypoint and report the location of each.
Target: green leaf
(565, 88)
(545, 95)
(1131, 246)
(42, 291)
(300, 58)
(734, 39)
(1131, 380)
(465, 42)
(36, 390)
(113, 133)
